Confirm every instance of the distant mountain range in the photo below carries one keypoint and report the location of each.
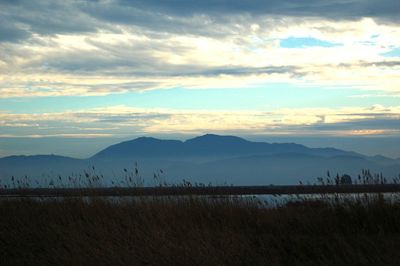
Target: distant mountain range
(207, 146)
(204, 159)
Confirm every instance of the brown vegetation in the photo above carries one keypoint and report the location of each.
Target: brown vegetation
(199, 231)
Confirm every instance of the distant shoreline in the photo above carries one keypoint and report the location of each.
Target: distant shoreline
(200, 190)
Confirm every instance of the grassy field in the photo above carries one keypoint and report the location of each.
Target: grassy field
(199, 231)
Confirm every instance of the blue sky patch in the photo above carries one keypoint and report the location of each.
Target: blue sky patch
(393, 53)
(264, 97)
(294, 42)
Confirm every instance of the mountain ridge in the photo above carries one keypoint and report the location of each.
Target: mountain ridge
(207, 145)
(215, 140)
(208, 158)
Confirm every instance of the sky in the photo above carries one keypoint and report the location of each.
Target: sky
(76, 76)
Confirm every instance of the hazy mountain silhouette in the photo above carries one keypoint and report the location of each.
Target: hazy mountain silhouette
(38, 165)
(208, 158)
(207, 145)
(143, 146)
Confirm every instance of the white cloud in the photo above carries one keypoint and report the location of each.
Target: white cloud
(124, 121)
(131, 58)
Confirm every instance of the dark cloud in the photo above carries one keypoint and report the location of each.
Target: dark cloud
(373, 123)
(44, 17)
(11, 33)
(145, 65)
(206, 17)
(118, 118)
(237, 71)
(392, 63)
(138, 118)
(343, 9)
(385, 63)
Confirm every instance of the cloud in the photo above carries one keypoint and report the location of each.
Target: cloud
(374, 124)
(46, 17)
(124, 121)
(10, 33)
(386, 63)
(121, 46)
(345, 9)
(204, 18)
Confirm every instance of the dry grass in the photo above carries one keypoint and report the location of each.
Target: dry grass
(195, 231)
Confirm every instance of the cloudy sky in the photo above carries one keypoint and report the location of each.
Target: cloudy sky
(94, 72)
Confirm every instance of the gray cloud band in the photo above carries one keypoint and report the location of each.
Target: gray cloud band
(20, 19)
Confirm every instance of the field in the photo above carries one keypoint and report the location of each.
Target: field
(200, 231)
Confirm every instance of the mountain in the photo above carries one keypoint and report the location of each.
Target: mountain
(206, 146)
(37, 166)
(143, 146)
(208, 158)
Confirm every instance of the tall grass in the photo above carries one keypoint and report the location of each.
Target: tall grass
(199, 231)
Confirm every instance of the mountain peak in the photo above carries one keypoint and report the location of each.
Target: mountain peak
(216, 138)
(145, 139)
(142, 146)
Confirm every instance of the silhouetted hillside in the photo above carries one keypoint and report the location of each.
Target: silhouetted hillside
(207, 145)
(143, 146)
(204, 159)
